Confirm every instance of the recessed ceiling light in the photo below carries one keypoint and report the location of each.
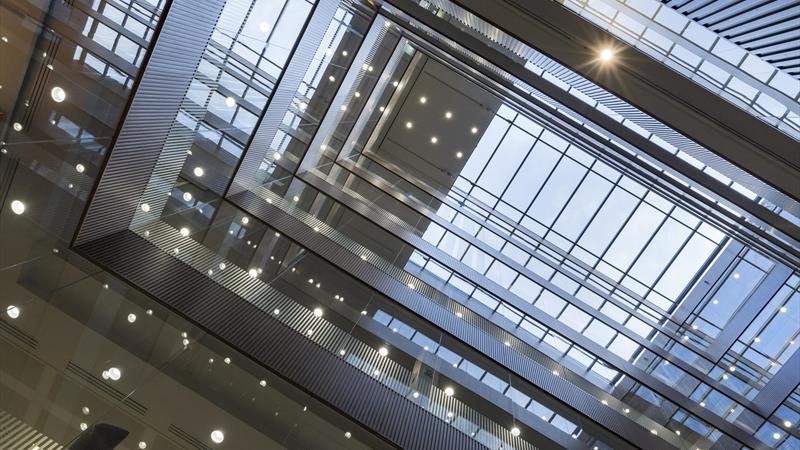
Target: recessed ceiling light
(198, 171)
(253, 273)
(145, 207)
(474, 130)
(187, 196)
(142, 445)
(776, 435)
(347, 434)
(423, 100)
(230, 102)
(555, 372)
(757, 339)
(17, 207)
(17, 126)
(434, 140)
(459, 155)
(415, 394)
(331, 78)
(114, 373)
(85, 410)
(227, 360)
(515, 431)
(448, 391)
(448, 115)
(357, 94)
(318, 312)
(369, 69)
(409, 125)
(343, 107)
(184, 231)
(606, 54)
(58, 94)
(245, 220)
(13, 311)
(131, 317)
(217, 436)
(344, 52)
(783, 309)
(383, 351)
(83, 426)
(787, 424)
(80, 168)
(732, 368)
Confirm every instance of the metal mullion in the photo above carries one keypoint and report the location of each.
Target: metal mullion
(757, 300)
(559, 251)
(526, 308)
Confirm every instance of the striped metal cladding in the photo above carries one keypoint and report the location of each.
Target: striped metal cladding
(300, 319)
(284, 93)
(143, 142)
(16, 434)
(471, 328)
(256, 333)
(767, 28)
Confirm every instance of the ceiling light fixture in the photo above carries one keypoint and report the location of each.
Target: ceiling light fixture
(17, 207)
(318, 312)
(448, 391)
(606, 54)
(331, 78)
(58, 94)
(474, 130)
(459, 155)
(184, 232)
(434, 140)
(383, 351)
(423, 100)
(13, 311)
(131, 317)
(142, 445)
(187, 196)
(114, 373)
(515, 431)
(145, 207)
(409, 125)
(198, 171)
(448, 115)
(80, 168)
(217, 436)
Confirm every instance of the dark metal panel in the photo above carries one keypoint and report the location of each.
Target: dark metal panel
(257, 334)
(148, 121)
(748, 311)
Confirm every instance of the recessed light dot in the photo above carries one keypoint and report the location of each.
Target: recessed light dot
(217, 436)
(131, 317)
(343, 107)
(448, 391)
(357, 94)
(459, 155)
(142, 445)
(474, 130)
(423, 100)
(776, 435)
(434, 140)
(383, 351)
(787, 424)
(783, 309)
(227, 360)
(253, 273)
(606, 54)
(85, 410)
(732, 368)
(198, 171)
(184, 231)
(515, 431)
(58, 94)
(331, 78)
(80, 168)
(318, 312)
(409, 125)
(114, 373)
(145, 207)
(230, 102)
(17, 207)
(187, 196)
(13, 311)
(757, 339)
(83, 426)
(448, 115)
(17, 126)
(344, 52)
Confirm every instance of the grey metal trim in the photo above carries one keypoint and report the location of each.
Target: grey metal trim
(757, 300)
(707, 282)
(779, 387)
(257, 334)
(678, 165)
(491, 347)
(148, 120)
(285, 91)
